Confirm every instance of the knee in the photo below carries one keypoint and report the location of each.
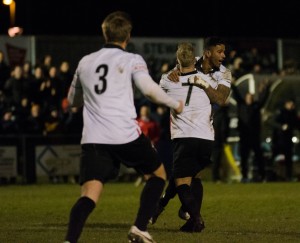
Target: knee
(160, 172)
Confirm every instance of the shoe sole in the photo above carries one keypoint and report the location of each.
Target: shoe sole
(134, 238)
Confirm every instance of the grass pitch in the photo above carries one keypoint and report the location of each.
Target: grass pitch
(233, 213)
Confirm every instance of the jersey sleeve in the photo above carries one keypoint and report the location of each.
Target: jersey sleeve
(151, 90)
(224, 76)
(139, 65)
(75, 94)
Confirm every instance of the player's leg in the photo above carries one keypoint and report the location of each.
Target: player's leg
(189, 203)
(170, 193)
(197, 191)
(95, 167)
(190, 158)
(145, 160)
(148, 200)
(80, 211)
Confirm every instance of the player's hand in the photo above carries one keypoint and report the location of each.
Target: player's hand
(180, 108)
(198, 81)
(174, 75)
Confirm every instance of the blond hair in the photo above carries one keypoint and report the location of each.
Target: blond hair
(185, 54)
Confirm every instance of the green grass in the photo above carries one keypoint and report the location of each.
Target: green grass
(233, 213)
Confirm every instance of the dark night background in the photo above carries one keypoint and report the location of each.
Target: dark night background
(278, 19)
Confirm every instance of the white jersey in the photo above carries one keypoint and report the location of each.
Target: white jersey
(103, 84)
(196, 118)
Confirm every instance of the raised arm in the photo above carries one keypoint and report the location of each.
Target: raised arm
(154, 93)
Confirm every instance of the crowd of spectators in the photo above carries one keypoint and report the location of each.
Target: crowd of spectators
(33, 98)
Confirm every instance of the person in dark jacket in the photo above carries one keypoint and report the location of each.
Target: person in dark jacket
(221, 125)
(249, 127)
(284, 122)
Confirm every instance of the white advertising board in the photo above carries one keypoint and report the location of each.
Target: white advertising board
(57, 160)
(8, 161)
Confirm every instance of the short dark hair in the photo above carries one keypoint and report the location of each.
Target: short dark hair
(117, 27)
(213, 41)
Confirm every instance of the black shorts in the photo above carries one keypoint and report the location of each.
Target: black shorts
(190, 155)
(102, 161)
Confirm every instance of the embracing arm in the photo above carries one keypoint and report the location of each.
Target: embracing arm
(154, 93)
(219, 95)
(216, 96)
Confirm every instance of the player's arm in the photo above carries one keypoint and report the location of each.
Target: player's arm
(153, 92)
(75, 94)
(219, 95)
(173, 74)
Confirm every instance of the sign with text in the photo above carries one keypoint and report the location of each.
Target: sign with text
(8, 161)
(57, 160)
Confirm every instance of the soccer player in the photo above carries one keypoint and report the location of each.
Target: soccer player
(202, 82)
(103, 84)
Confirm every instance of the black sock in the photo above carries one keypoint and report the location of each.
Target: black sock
(197, 190)
(187, 200)
(149, 199)
(169, 194)
(78, 215)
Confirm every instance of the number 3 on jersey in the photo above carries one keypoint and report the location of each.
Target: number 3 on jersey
(102, 69)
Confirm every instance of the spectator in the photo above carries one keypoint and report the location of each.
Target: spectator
(35, 84)
(72, 119)
(52, 122)
(16, 87)
(4, 71)
(27, 70)
(249, 127)
(9, 124)
(65, 76)
(284, 123)
(149, 126)
(221, 126)
(46, 64)
(35, 122)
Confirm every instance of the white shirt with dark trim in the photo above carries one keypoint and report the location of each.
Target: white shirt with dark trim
(103, 83)
(196, 118)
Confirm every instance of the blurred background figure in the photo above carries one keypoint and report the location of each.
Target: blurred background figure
(16, 87)
(148, 125)
(164, 146)
(284, 123)
(249, 127)
(4, 70)
(221, 125)
(46, 64)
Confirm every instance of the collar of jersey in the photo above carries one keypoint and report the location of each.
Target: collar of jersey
(112, 46)
(189, 73)
(199, 66)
